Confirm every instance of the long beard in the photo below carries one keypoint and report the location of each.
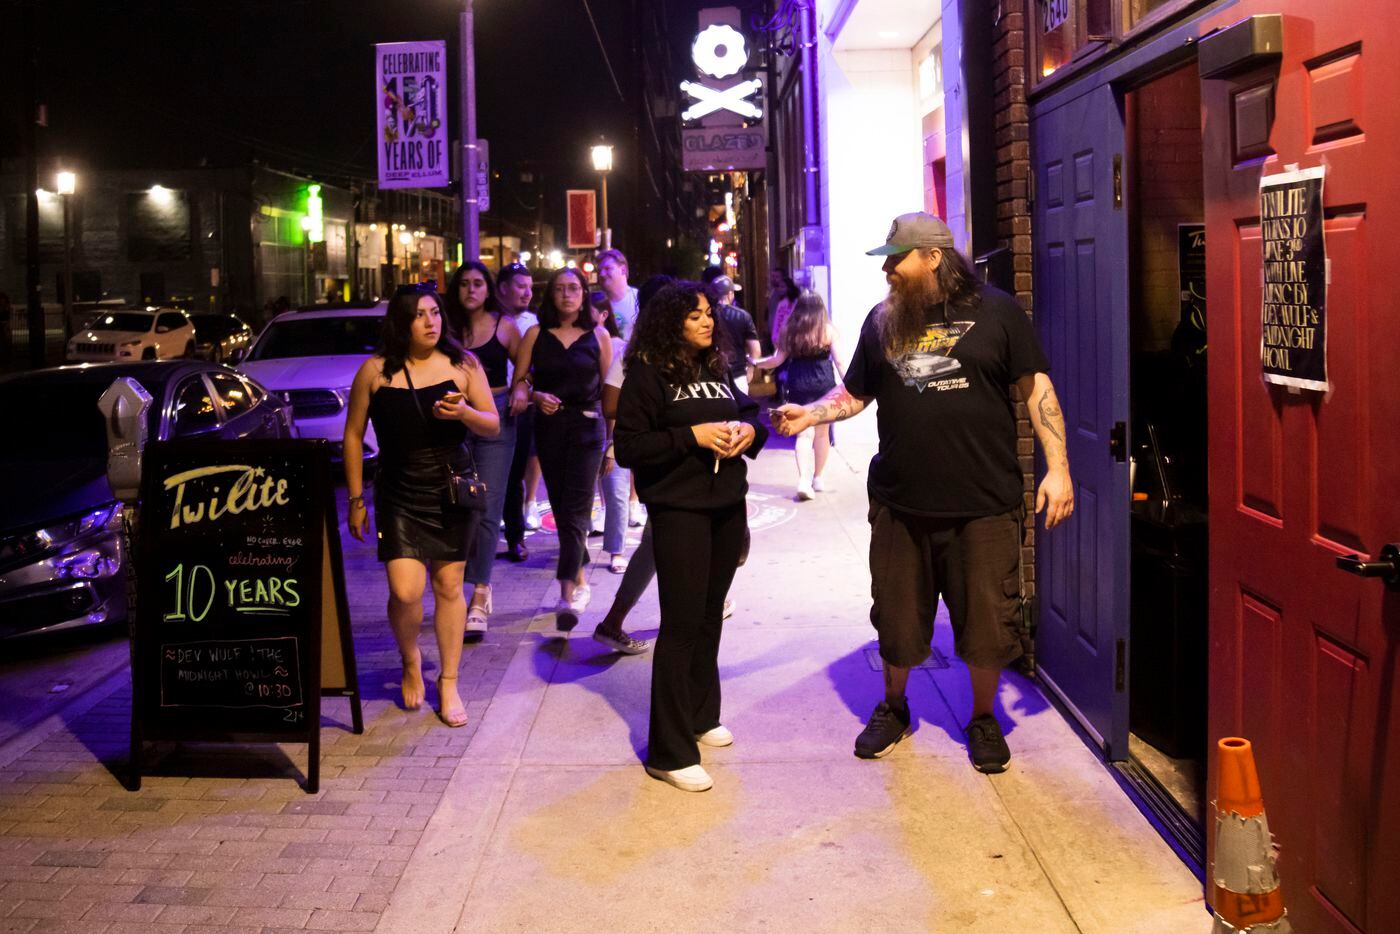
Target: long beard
(907, 312)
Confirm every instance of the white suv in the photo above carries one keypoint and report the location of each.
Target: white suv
(310, 358)
(134, 334)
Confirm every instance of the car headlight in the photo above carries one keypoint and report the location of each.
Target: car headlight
(62, 534)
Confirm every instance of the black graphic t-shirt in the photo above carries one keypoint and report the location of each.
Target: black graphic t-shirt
(653, 439)
(946, 420)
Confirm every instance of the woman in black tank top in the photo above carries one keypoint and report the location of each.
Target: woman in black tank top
(476, 319)
(563, 361)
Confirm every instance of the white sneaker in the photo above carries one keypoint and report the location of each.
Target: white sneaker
(822, 486)
(690, 778)
(719, 736)
(568, 611)
(805, 493)
(637, 515)
(532, 517)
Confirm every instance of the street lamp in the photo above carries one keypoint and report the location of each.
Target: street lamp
(602, 164)
(66, 183)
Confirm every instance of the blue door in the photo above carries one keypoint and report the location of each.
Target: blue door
(1081, 314)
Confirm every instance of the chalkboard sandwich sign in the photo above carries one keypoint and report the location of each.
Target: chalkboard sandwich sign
(242, 623)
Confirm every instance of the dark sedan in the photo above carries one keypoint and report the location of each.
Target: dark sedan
(62, 548)
(219, 338)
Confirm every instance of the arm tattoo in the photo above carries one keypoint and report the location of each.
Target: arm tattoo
(837, 405)
(1051, 417)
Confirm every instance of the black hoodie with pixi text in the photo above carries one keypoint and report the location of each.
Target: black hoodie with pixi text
(653, 438)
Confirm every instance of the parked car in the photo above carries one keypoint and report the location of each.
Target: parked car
(134, 334)
(219, 337)
(62, 550)
(310, 359)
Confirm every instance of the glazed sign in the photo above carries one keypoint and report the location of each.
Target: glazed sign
(1293, 324)
(723, 148)
(410, 112)
(1055, 13)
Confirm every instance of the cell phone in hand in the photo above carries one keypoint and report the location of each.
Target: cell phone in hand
(453, 397)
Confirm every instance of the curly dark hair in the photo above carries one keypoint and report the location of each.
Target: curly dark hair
(398, 326)
(452, 307)
(549, 311)
(658, 338)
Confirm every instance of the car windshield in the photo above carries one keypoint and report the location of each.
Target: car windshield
(122, 321)
(58, 420)
(319, 337)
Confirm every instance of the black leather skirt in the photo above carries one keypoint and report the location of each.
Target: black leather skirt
(409, 518)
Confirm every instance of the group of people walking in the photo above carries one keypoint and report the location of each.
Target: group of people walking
(644, 392)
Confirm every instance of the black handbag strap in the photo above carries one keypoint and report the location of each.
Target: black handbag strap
(418, 407)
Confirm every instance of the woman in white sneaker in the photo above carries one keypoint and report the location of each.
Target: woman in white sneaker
(808, 369)
(681, 426)
(562, 364)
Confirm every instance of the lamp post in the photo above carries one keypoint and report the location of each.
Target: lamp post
(66, 184)
(603, 163)
(471, 205)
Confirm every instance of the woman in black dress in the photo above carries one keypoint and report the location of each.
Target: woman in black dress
(476, 320)
(562, 364)
(681, 426)
(425, 394)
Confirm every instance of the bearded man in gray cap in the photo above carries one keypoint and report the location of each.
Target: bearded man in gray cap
(940, 354)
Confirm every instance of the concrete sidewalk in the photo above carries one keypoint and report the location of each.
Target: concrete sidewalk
(549, 822)
(537, 816)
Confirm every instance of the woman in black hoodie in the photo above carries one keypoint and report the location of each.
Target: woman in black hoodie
(681, 426)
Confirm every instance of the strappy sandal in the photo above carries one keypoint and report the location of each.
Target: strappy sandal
(453, 722)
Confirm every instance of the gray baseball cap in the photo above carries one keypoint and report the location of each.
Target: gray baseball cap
(723, 284)
(916, 231)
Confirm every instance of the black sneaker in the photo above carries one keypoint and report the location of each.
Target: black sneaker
(986, 747)
(887, 726)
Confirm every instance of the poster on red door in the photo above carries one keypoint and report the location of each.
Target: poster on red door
(583, 218)
(1293, 339)
(410, 112)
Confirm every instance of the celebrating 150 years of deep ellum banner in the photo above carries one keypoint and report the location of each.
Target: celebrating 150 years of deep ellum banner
(411, 114)
(1293, 339)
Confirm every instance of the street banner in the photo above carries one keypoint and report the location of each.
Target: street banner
(1293, 335)
(410, 112)
(583, 218)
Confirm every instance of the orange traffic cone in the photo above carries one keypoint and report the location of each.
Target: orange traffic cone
(1247, 894)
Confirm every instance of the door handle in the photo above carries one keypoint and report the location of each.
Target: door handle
(1387, 568)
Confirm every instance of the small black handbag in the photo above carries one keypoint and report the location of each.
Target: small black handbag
(465, 491)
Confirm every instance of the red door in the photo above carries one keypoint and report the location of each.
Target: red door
(1303, 654)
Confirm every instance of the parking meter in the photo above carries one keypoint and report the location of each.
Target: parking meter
(124, 406)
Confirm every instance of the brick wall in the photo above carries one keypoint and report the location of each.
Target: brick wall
(1014, 213)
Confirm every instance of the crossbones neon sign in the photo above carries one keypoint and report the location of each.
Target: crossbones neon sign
(735, 99)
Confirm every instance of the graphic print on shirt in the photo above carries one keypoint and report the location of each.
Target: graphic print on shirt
(927, 365)
(702, 390)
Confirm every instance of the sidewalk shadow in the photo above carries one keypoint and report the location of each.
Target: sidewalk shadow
(555, 664)
(861, 689)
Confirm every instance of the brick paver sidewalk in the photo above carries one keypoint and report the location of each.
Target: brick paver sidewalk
(239, 846)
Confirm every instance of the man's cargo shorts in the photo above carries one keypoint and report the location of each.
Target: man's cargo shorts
(973, 564)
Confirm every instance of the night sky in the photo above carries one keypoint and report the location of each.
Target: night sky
(156, 83)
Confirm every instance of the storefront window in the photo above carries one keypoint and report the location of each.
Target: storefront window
(1068, 30)
(1139, 10)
